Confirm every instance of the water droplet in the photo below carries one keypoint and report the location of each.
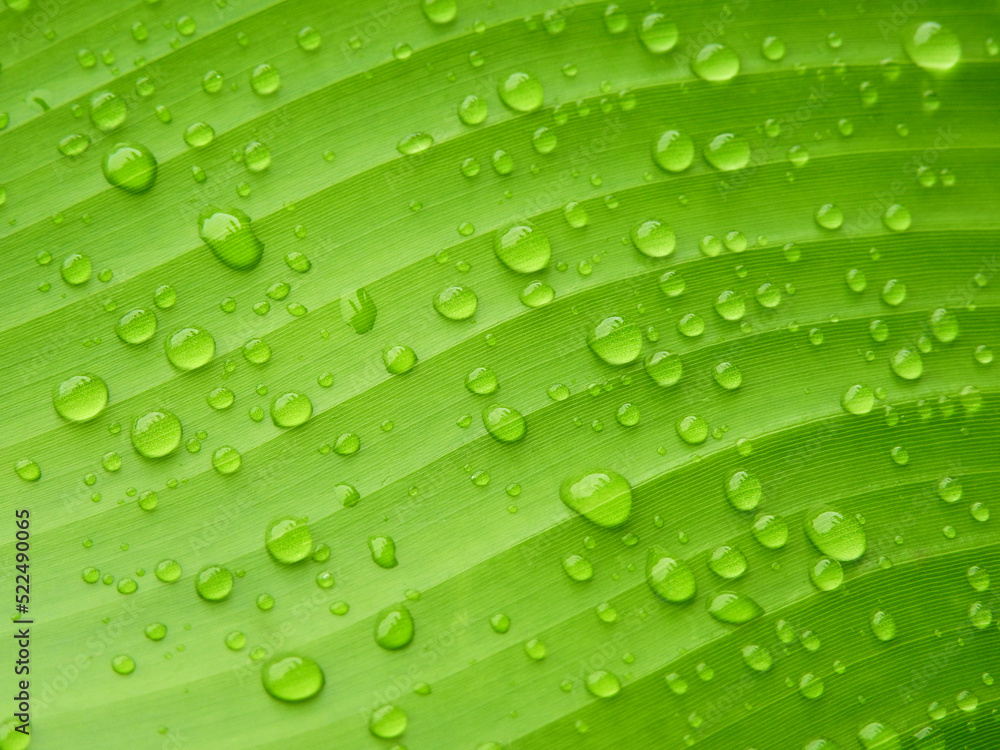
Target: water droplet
(602, 684)
(944, 325)
(674, 151)
(811, 686)
(28, 470)
(123, 664)
(715, 62)
(829, 216)
(692, 429)
(907, 364)
(878, 736)
(663, 367)
(734, 608)
(190, 348)
(536, 294)
(967, 701)
(291, 678)
(727, 152)
(156, 434)
(394, 627)
(535, 649)
(398, 359)
(500, 623)
(230, 237)
(76, 269)
(615, 340)
(578, 567)
(265, 79)
(949, 489)
(836, 535)
(199, 134)
(978, 577)
(653, 238)
(440, 12)
(773, 48)
(107, 111)
(758, 658)
(602, 497)
(214, 583)
(168, 571)
(827, 574)
(414, 143)
(523, 248)
(521, 92)
(933, 47)
(131, 167)
(770, 531)
(80, 398)
(309, 39)
(727, 562)
(482, 381)
(657, 33)
(980, 615)
(288, 540)
(897, 218)
(290, 409)
(390, 721)
(728, 375)
(669, 578)
(226, 459)
(628, 415)
(730, 305)
(505, 424)
(691, 325)
(456, 303)
(136, 326)
(672, 284)
(473, 110)
(883, 625)
(743, 490)
(383, 551)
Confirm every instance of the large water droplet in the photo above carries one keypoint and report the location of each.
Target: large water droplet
(602, 497)
(674, 151)
(743, 490)
(858, 399)
(653, 238)
(907, 364)
(669, 578)
(387, 721)
(727, 152)
(292, 678)
(734, 608)
(230, 237)
(727, 562)
(190, 348)
(440, 11)
(878, 736)
(602, 684)
(615, 340)
(715, 62)
(456, 303)
(288, 540)
(827, 574)
(394, 627)
(156, 434)
(523, 248)
(136, 326)
(504, 423)
(663, 367)
(933, 47)
(131, 167)
(770, 530)
(657, 33)
(836, 535)
(521, 92)
(290, 409)
(214, 583)
(107, 111)
(80, 398)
